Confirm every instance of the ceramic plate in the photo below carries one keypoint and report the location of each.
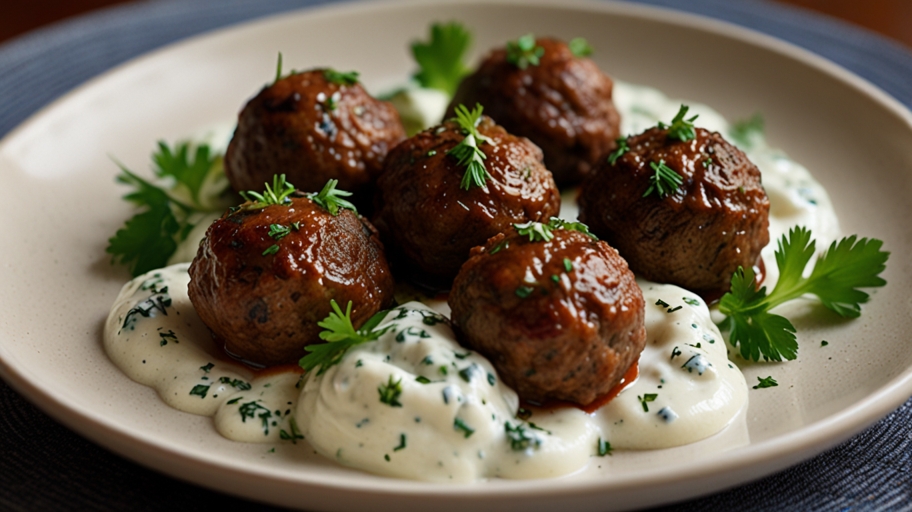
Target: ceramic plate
(61, 204)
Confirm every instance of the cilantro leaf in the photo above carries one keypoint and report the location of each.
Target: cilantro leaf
(850, 264)
(341, 335)
(330, 198)
(441, 59)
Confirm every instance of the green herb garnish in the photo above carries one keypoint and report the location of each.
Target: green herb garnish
(278, 193)
(540, 232)
(441, 60)
(766, 382)
(524, 52)
(341, 335)
(330, 198)
(850, 264)
(390, 392)
(645, 399)
(664, 181)
(520, 438)
(580, 47)
(622, 148)
(337, 77)
(193, 184)
(603, 447)
(467, 152)
(680, 128)
(460, 425)
(295, 433)
(746, 132)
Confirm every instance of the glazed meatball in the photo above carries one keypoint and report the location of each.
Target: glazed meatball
(696, 235)
(261, 292)
(560, 319)
(562, 103)
(431, 222)
(313, 126)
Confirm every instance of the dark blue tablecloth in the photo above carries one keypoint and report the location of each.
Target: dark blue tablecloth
(44, 466)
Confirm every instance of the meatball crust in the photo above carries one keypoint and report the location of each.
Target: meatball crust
(552, 333)
(312, 129)
(263, 303)
(432, 223)
(563, 105)
(695, 237)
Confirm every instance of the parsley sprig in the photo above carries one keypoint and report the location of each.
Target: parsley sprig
(524, 52)
(580, 47)
(467, 152)
(541, 232)
(341, 78)
(331, 198)
(278, 193)
(189, 183)
(664, 181)
(441, 60)
(850, 264)
(680, 128)
(340, 335)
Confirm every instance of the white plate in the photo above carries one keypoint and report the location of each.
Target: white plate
(61, 204)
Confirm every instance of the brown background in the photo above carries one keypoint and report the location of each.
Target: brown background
(892, 18)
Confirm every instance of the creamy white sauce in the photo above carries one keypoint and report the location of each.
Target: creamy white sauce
(687, 389)
(155, 337)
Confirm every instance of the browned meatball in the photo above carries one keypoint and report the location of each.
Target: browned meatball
(696, 236)
(312, 129)
(563, 104)
(430, 222)
(262, 295)
(560, 319)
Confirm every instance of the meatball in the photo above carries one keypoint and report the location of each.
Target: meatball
(561, 319)
(431, 221)
(562, 103)
(264, 277)
(313, 126)
(695, 236)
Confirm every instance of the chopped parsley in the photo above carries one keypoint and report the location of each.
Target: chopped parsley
(603, 447)
(199, 390)
(255, 410)
(460, 425)
(441, 60)
(402, 444)
(292, 436)
(340, 78)
(390, 392)
(207, 367)
(524, 291)
(680, 128)
(850, 264)
(331, 199)
(340, 335)
(766, 382)
(568, 265)
(540, 232)
(645, 399)
(520, 438)
(524, 52)
(664, 181)
(580, 47)
(467, 152)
